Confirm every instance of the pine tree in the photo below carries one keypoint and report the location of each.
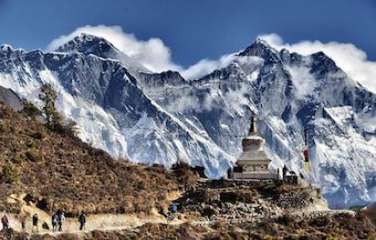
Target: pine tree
(48, 96)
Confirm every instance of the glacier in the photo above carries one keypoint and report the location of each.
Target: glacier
(131, 112)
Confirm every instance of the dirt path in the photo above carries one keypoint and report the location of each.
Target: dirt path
(104, 222)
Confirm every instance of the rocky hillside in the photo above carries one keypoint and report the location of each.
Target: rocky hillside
(57, 170)
(230, 201)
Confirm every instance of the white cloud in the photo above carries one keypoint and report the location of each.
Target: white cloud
(152, 53)
(347, 56)
(207, 66)
(183, 103)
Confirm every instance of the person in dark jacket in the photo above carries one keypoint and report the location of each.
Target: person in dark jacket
(60, 220)
(54, 222)
(82, 220)
(5, 222)
(35, 221)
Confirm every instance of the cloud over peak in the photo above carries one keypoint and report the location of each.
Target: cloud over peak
(347, 56)
(152, 53)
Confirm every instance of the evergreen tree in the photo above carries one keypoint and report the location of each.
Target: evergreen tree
(48, 96)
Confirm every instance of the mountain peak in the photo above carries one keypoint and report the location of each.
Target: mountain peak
(89, 44)
(89, 38)
(7, 50)
(6, 47)
(323, 61)
(260, 48)
(262, 42)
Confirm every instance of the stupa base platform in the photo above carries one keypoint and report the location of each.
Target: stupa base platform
(254, 175)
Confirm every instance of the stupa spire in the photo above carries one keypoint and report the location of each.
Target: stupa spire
(252, 129)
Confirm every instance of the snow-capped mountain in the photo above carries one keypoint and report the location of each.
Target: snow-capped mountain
(88, 44)
(127, 110)
(109, 107)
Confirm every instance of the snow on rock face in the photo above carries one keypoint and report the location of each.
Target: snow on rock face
(162, 117)
(345, 160)
(303, 81)
(110, 109)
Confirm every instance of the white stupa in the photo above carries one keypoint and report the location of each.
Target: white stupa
(253, 163)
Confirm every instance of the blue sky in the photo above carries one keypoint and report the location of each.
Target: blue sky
(194, 29)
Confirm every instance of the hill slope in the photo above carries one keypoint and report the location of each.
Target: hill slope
(57, 170)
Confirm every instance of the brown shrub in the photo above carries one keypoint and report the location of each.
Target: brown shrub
(9, 174)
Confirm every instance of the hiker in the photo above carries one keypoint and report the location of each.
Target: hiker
(82, 220)
(5, 222)
(60, 220)
(174, 208)
(35, 220)
(54, 222)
